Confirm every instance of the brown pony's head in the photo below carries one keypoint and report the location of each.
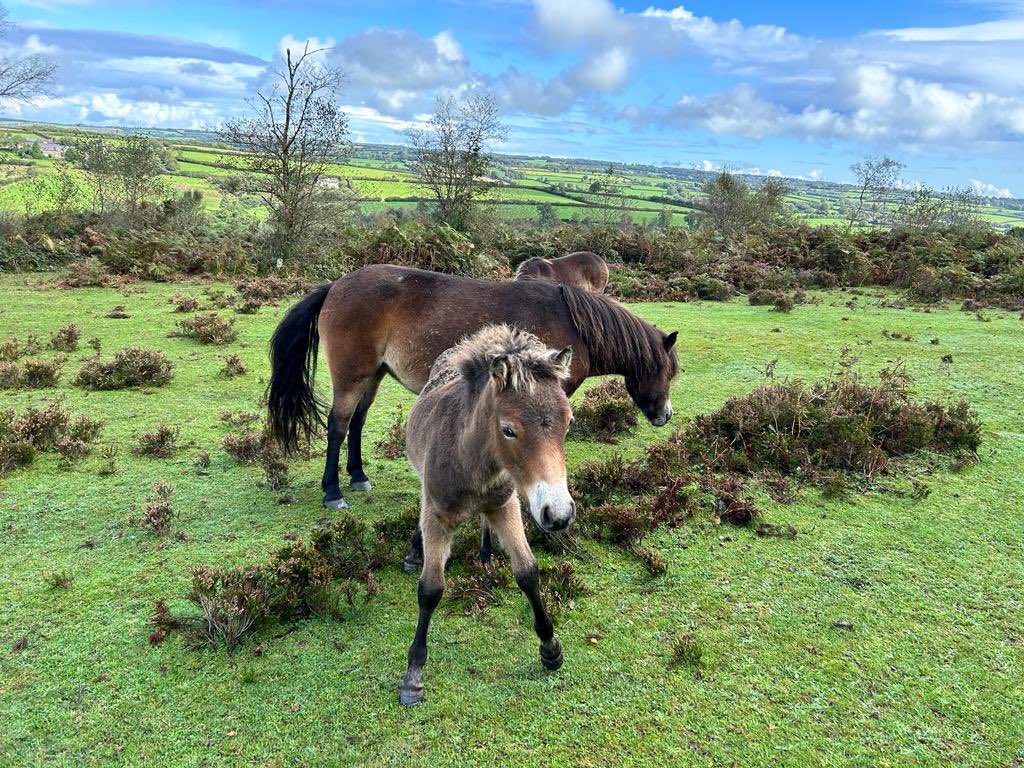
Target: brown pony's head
(649, 385)
(526, 413)
(617, 341)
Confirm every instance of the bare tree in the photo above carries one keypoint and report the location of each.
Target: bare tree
(876, 178)
(26, 78)
(451, 153)
(295, 132)
(731, 208)
(123, 175)
(925, 210)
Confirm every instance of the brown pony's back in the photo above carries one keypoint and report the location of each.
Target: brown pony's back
(582, 269)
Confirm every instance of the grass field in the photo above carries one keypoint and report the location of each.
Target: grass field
(931, 672)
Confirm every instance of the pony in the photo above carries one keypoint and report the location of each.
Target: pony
(388, 320)
(490, 421)
(581, 269)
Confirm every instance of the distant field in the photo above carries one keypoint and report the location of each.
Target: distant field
(381, 178)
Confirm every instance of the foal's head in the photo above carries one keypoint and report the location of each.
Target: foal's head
(522, 379)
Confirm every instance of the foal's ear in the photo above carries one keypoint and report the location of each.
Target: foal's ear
(562, 359)
(670, 340)
(500, 370)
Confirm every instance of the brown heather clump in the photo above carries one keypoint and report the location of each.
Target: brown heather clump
(65, 338)
(245, 447)
(13, 349)
(160, 442)
(209, 328)
(233, 366)
(157, 515)
(40, 430)
(85, 274)
(41, 373)
(184, 303)
(391, 445)
(321, 576)
(606, 410)
(11, 376)
(269, 289)
(131, 367)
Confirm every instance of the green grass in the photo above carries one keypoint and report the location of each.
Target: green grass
(931, 672)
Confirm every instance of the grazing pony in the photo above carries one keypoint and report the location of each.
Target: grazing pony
(385, 319)
(582, 269)
(491, 421)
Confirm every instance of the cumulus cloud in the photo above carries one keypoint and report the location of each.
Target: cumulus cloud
(989, 190)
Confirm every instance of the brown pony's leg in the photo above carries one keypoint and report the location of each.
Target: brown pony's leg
(354, 466)
(345, 401)
(437, 542)
(507, 522)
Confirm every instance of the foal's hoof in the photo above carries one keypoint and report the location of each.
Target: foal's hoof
(335, 504)
(410, 697)
(413, 562)
(551, 654)
(360, 485)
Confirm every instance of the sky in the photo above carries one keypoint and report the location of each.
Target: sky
(785, 88)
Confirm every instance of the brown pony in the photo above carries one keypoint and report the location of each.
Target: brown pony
(383, 319)
(581, 269)
(491, 421)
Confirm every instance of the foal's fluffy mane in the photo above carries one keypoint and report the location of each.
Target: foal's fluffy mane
(530, 262)
(528, 359)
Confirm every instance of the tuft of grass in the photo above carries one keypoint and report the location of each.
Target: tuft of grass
(687, 654)
(60, 580)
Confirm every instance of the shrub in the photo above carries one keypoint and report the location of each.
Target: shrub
(95, 344)
(157, 514)
(131, 367)
(160, 442)
(230, 600)
(783, 303)
(391, 444)
(605, 410)
(40, 373)
(184, 303)
(763, 296)
(65, 338)
(11, 376)
(13, 349)
(39, 430)
(233, 366)
(245, 447)
(84, 274)
(208, 328)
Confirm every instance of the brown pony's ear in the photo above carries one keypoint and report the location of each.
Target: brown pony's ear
(562, 360)
(670, 340)
(500, 371)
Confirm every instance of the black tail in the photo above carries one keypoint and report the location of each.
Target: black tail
(295, 410)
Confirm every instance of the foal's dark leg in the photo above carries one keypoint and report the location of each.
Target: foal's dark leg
(354, 466)
(508, 524)
(428, 593)
(331, 488)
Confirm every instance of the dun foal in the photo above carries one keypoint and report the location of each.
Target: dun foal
(583, 269)
(491, 421)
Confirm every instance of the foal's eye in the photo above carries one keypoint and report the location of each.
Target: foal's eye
(508, 432)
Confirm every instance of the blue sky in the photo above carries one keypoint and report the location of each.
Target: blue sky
(787, 88)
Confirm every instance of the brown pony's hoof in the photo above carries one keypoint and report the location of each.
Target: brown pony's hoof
(335, 504)
(360, 485)
(410, 692)
(551, 654)
(413, 562)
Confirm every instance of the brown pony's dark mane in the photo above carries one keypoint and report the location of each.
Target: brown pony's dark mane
(616, 339)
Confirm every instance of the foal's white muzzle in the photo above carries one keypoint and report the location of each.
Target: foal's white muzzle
(551, 506)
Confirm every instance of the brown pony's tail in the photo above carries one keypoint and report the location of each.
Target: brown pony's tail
(294, 409)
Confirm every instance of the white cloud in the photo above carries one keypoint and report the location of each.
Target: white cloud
(604, 71)
(989, 190)
(575, 22)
